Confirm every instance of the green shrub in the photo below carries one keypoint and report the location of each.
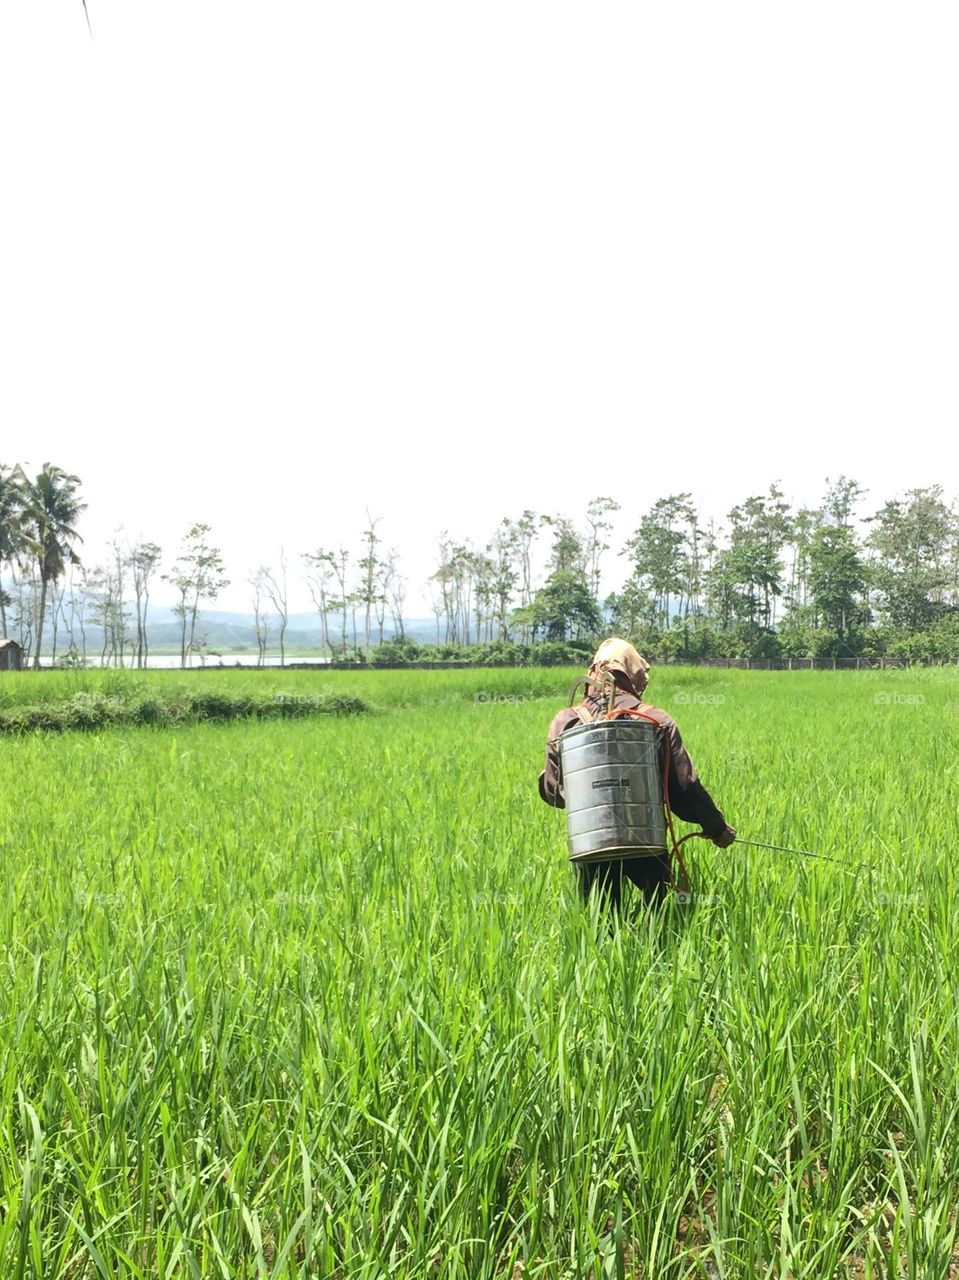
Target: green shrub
(101, 710)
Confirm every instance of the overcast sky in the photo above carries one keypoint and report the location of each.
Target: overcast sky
(267, 265)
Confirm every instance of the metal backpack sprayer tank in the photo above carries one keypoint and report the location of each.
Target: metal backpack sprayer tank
(613, 783)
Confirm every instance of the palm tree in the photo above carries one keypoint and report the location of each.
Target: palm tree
(12, 497)
(51, 513)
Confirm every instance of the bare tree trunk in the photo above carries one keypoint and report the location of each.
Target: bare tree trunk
(277, 592)
(261, 631)
(57, 600)
(42, 610)
(325, 624)
(184, 613)
(318, 593)
(81, 618)
(138, 590)
(144, 642)
(194, 614)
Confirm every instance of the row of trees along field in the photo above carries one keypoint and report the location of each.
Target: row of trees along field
(832, 580)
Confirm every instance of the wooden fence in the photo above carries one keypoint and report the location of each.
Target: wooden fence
(742, 664)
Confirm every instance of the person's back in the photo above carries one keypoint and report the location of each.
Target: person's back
(688, 798)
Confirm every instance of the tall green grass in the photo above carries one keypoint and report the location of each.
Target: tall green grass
(317, 998)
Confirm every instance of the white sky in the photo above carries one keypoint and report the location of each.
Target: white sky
(269, 265)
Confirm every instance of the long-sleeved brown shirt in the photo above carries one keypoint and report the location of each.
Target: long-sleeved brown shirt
(688, 798)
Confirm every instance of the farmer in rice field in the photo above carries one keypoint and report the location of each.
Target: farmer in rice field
(688, 798)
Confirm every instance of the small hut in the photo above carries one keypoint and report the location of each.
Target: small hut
(11, 655)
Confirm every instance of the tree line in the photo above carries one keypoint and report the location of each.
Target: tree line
(767, 581)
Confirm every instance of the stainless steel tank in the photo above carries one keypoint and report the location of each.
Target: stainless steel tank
(613, 786)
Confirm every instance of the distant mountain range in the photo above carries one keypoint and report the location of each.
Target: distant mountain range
(225, 632)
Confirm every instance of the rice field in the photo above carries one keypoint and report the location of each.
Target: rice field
(317, 998)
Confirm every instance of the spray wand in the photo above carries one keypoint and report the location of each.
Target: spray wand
(781, 848)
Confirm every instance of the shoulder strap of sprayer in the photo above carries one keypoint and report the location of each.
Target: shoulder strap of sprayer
(583, 711)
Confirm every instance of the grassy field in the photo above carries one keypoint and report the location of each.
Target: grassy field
(317, 998)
